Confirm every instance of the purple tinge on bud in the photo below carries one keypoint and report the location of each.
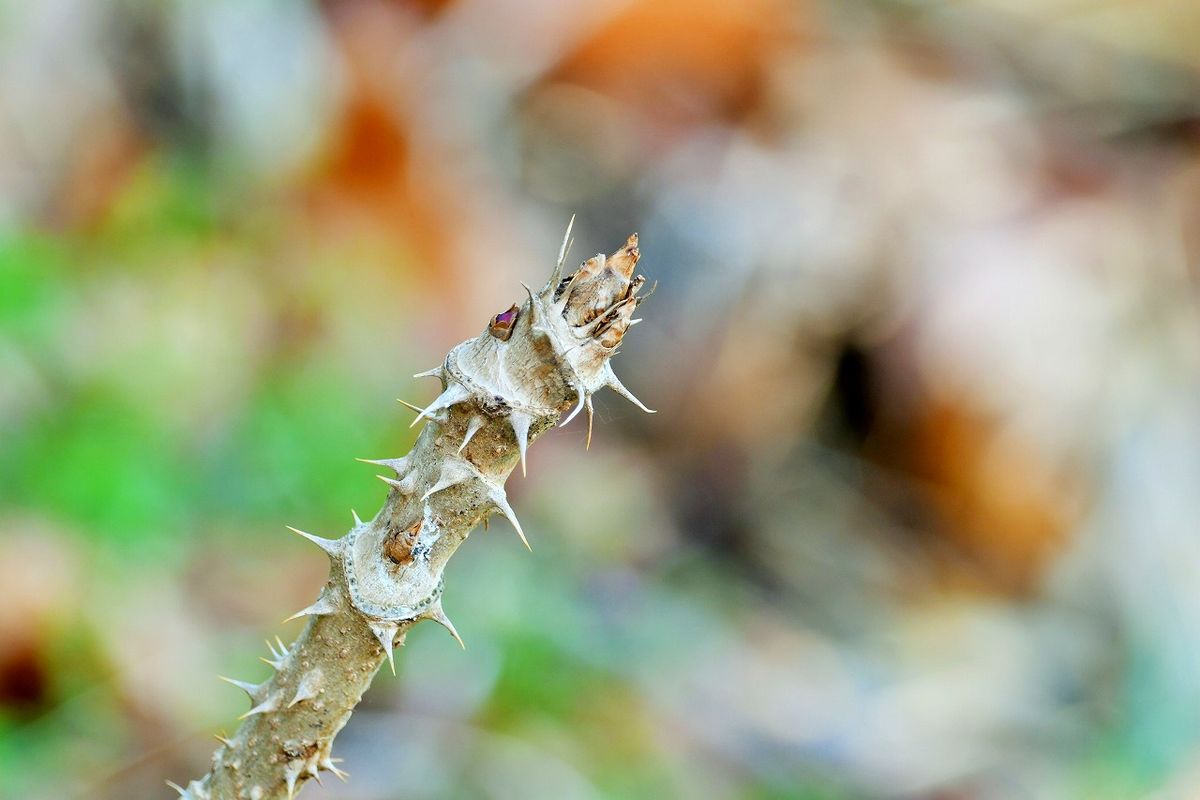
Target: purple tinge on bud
(503, 323)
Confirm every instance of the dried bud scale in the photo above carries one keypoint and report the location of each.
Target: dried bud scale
(532, 364)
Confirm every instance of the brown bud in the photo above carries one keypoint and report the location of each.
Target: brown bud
(503, 323)
(601, 282)
(399, 544)
(625, 260)
(635, 285)
(616, 322)
(590, 268)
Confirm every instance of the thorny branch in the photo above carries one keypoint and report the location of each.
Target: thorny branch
(500, 391)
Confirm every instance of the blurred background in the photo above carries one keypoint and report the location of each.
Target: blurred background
(918, 517)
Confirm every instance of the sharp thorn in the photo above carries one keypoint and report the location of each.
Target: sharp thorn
(473, 427)
(579, 390)
(565, 247)
(435, 417)
(249, 688)
(563, 250)
(453, 473)
(305, 691)
(396, 465)
(588, 405)
(329, 764)
(320, 608)
(615, 384)
(436, 372)
(331, 546)
(498, 497)
(178, 788)
(531, 317)
(386, 633)
(409, 405)
(404, 487)
(270, 704)
(454, 393)
(439, 616)
(520, 426)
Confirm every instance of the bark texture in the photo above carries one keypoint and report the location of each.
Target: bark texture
(500, 391)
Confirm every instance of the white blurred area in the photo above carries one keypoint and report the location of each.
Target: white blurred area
(919, 512)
